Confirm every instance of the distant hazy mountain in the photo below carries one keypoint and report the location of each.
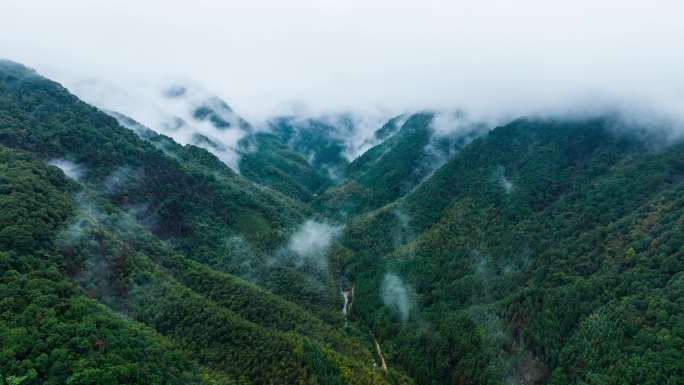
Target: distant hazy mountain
(410, 149)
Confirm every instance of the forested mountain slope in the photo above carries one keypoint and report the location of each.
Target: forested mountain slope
(190, 206)
(319, 140)
(50, 331)
(542, 251)
(410, 150)
(268, 160)
(110, 301)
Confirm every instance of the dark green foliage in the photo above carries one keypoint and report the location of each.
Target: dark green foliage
(395, 167)
(193, 200)
(26, 223)
(257, 305)
(274, 164)
(47, 328)
(587, 225)
(542, 159)
(161, 319)
(230, 326)
(316, 139)
(325, 372)
(50, 333)
(387, 171)
(390, 128)
(217, 112)
(545, 251)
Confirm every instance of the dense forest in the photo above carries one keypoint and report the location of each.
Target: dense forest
(539, 251)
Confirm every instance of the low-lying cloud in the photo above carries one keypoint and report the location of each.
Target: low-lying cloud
(502, 180)
(70, 169)
(312, 240)
(450, 123)
(183, 111)
(452, 130)
(397, 295)
(487, 57)
(353, 131)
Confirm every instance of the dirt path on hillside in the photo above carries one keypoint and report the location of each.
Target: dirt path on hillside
(382, 357)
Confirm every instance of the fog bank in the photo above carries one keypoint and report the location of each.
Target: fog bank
(490, 58)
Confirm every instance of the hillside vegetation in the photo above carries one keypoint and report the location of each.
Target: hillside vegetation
(115, 302)
(541, 251)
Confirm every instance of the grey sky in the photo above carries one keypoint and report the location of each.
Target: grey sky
(264, 56)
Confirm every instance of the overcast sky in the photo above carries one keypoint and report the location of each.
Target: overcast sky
(263, 56)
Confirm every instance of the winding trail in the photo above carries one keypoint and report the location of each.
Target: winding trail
(382, 357)
(348, 296)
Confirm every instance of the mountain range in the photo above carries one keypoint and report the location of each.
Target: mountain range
(207, 250)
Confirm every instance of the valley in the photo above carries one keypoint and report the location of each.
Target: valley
(208, 250)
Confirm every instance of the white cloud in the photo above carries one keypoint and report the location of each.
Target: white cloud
(167, 107)
(70, 169)
(397, 295)
(448, 123)
(489, 57)
(311, 241)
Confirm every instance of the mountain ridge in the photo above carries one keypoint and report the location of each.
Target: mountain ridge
(539, 251)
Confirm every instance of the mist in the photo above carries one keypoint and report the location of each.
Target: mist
(491, 58)
(69, 168)
(311, 242)
(502, 180)
(170, 108)
(451, 132)
(397, 295)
